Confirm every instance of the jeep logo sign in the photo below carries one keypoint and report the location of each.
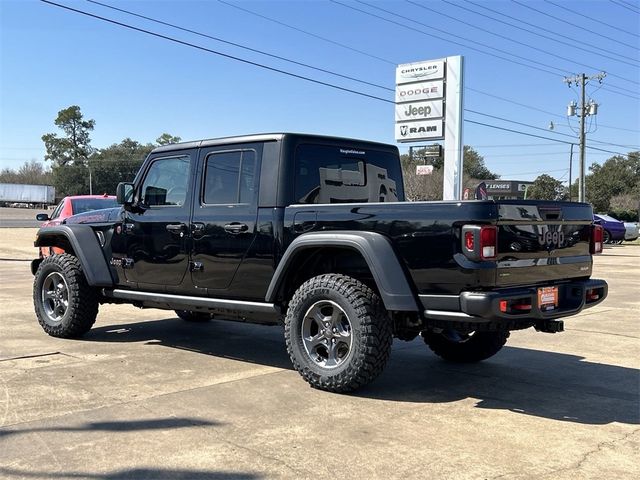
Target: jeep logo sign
(418, 130)
(419, 110)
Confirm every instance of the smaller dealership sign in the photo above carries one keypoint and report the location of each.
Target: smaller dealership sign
(424, 169)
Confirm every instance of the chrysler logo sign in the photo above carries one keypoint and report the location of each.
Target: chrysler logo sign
(415, 72)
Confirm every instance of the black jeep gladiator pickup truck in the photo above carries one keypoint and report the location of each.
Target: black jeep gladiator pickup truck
(313, 233)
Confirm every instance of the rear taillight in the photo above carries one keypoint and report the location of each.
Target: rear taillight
(480, 242)
(595, 245)
(488, 242)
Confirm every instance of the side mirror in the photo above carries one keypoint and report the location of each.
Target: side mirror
(42, 217)
(124, 193)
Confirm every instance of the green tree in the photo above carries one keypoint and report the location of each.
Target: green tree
(545, 187)
(167, 139)
(474, 165)
(71, 179)
(117, 163)
(75, 145)
(619, 175)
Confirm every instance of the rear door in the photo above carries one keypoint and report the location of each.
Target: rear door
(225, 211)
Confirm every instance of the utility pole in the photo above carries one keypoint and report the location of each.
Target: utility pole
(585, 109)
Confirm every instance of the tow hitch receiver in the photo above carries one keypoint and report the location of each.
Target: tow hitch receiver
(550, 326)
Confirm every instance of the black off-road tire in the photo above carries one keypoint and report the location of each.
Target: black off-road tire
(81, 299)
(469, 348)
(370, 332)
(191, 316)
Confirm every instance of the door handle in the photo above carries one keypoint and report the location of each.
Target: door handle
(176, 227)
(235, 228)
(197, 228)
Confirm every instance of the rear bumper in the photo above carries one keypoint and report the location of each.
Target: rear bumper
(484, 307)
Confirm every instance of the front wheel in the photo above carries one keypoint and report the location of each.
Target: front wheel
(465, 348)
(338, 333)
(66, 306)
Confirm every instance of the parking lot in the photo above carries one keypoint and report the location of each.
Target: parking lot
(146, 395)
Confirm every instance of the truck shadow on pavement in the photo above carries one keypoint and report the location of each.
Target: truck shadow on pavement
(133, 474)
(116, 426)
(545, 384)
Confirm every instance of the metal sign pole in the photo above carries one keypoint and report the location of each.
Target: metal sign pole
(453, 143)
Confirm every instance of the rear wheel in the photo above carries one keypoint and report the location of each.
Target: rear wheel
(191, 316)
(606, 236)
(338, 333)
(465, 348)
(66, 306)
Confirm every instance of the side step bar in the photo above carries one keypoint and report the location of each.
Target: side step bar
(188, 301)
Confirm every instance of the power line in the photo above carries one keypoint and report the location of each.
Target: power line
(215, 52)
(528, 23)
(540, 136)
(625, 5)
(255, 50)
(509, 39)
(385, 60)
(533, 173)
(351, 7)
(539, 154)
(165, 37)
(572, 24)
(311, 34)
(517, 145)
(530, 107)
(521, 28)
(598, 21)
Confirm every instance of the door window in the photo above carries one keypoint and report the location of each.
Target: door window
(166, 182)
(230, 178)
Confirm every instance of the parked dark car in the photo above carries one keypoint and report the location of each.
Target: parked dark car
(614, 229)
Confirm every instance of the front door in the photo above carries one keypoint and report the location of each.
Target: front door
(156, 235)
(225, 212)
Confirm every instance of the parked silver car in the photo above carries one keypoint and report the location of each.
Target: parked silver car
(632, 231)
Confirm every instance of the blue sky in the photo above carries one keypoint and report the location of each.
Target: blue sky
(139, 86)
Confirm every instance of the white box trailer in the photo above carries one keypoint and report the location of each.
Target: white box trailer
(14, 192)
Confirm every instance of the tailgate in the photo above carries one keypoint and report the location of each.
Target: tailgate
(542, 241)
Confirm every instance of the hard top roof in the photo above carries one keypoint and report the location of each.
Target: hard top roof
(263, 137)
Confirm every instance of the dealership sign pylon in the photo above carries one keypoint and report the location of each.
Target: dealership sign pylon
(429, 106)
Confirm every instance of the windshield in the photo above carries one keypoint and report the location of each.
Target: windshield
(81, 205)
(607, 218)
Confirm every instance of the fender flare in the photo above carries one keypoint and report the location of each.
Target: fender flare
(85, 245)
(377, 252)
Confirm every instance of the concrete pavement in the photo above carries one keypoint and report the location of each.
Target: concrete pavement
(147, 396)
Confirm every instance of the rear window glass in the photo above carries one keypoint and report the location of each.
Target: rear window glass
(81, 205)
(333, 174)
